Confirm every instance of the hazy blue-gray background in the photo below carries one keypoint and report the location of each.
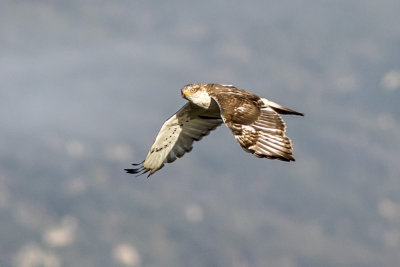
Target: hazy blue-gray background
(86, 85)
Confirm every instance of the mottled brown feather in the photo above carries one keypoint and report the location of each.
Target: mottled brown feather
(257, 127)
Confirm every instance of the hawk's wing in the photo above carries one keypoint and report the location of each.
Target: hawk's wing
(258, 127)
(176, 137)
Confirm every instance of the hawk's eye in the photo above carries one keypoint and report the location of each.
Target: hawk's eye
(192, 90)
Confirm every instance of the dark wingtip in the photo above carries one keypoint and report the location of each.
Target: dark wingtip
(292, 112)
(284, 110)
(135, 170)
(132, 171)
(138, 171)
(137, 164)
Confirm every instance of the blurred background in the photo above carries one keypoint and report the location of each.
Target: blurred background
(86, 85)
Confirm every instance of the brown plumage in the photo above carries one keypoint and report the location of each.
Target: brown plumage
(255, 122)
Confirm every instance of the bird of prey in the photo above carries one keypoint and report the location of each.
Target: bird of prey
(255, 122)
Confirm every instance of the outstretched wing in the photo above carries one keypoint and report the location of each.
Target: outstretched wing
(176, 137)
(257, 126)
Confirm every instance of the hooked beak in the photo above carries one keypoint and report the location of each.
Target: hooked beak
(183, 93)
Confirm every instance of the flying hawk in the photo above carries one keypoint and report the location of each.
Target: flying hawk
(255, 122)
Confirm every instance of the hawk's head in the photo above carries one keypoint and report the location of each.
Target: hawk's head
(197, 94)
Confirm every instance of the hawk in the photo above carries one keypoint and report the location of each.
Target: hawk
(255, 122)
